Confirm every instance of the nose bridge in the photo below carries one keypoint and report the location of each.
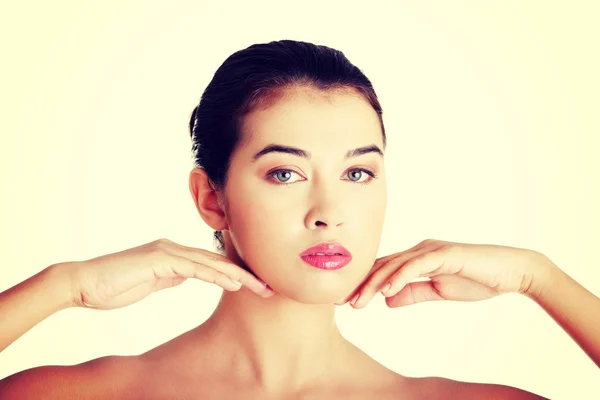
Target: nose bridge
(324, 205)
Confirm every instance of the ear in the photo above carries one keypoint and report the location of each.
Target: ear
(206, 200)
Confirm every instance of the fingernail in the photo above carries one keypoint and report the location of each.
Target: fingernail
(386, 288)
(355, 298)
(268, 290)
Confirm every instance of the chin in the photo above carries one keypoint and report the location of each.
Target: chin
(313, 300)
(314, 295)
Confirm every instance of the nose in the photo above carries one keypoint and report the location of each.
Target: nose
(325, 211)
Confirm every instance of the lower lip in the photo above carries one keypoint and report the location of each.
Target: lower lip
(327, 262)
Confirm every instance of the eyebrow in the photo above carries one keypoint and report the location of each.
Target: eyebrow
(279, 148)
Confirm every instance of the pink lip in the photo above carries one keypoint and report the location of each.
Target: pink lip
(327, 248)
(336, 256)
(327, 262)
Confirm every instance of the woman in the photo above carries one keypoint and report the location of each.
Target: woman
(288, 143)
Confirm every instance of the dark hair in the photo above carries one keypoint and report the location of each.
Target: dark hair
(256, 77)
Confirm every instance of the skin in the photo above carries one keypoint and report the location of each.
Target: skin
(288, 345)
(267, 224)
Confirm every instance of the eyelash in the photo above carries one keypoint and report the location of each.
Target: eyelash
(272, 176)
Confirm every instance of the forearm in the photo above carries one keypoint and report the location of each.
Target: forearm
(28, 303)
(572, 306)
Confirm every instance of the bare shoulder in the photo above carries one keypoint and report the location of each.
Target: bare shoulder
(105, 377)
(437, 387)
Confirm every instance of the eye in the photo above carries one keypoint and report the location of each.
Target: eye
(285, 174)
(363, 171)
(281, 173)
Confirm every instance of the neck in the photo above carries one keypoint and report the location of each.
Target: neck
(275, 344)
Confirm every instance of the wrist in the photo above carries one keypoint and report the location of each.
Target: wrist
(61, 279)
(544, 272)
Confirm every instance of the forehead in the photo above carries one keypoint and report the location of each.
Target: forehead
(304, 115)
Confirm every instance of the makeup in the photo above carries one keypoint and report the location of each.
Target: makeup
(329, 256)
(327, 262)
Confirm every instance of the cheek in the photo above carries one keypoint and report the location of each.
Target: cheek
(261, 235)
(370, 210)
(257, 222)
(369, 220)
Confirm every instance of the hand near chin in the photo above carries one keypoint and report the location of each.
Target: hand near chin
(456, 271)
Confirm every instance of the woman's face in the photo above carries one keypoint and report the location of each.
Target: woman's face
(323, 197)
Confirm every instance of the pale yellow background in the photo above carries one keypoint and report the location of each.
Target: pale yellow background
(492, 115)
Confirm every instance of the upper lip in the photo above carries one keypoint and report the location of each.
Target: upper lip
(329, 248)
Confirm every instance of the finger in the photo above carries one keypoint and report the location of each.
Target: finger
(346, 299)
(458, 288)
(169, 283)
(366, 293)
(378, 280)
(221, 264)
(424, 265)
(379, 263)
(207, 273)
(187, 268)
(373, 282)
(383, 260)
(415, 292)
(368, 280)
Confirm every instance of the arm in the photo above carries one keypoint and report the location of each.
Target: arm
(25, 305)
(437, 387)
(108, 377)
(573, 307)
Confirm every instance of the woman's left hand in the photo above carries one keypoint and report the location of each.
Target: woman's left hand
(457, 271)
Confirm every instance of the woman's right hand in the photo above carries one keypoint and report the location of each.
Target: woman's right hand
(123, 278)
